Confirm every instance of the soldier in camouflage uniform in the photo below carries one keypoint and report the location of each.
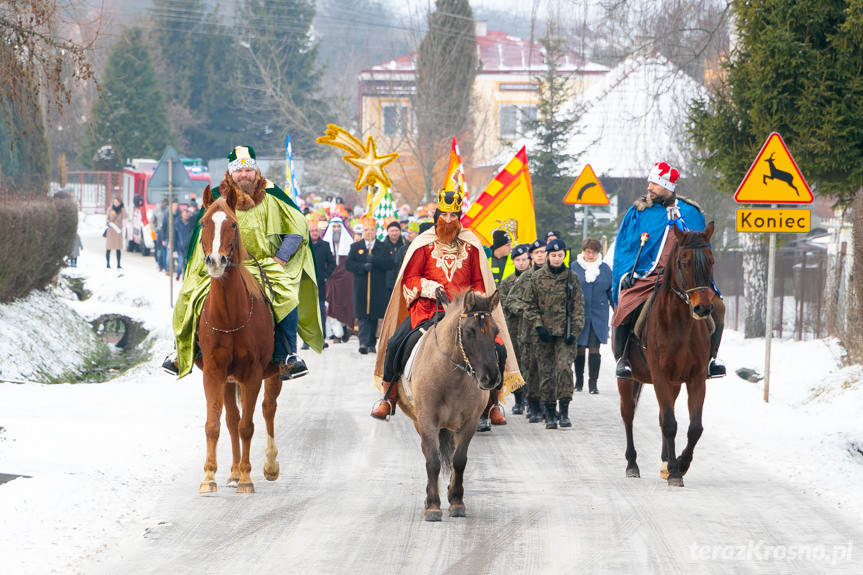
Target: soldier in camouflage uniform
(526, 335)
(521, 260)
(545, 309)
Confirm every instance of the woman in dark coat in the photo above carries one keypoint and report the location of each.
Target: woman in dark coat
(595, 277)
(369, 261)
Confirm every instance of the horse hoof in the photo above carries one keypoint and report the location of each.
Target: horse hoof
(245, 488)
(233, 482)
(271, 474)
(633, 472)
(675, 482)
(432, 515)
(456, 511)
(208, 487)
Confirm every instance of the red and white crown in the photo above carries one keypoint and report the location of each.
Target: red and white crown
(663, 174)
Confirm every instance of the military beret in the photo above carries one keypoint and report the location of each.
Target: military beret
(555, 245)
(552, 233)
(520, 250)
(536, 244)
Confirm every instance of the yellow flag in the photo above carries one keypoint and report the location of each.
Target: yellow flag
(508, 196)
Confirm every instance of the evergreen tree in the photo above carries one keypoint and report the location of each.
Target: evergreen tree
(279, 87)
(197, 68)
(130, 116)
(550, 166)
(24, 159)
(798, 70)
(446, 69)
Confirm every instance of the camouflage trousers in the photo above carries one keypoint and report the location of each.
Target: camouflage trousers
(554, 362)
(527, 366)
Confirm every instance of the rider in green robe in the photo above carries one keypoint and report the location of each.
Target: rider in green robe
(275, 232)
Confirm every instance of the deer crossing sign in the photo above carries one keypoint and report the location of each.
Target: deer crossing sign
(774, 177)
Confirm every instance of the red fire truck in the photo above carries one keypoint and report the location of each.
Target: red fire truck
(140, 202)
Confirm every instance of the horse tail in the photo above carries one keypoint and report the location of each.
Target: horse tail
(447, 447)
(636, 391)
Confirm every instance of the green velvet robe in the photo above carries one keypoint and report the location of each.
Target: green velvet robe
(295, 284)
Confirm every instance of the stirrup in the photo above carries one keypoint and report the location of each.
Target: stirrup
(715, 368)
(390, 412)
(170, 365)
(623, 370)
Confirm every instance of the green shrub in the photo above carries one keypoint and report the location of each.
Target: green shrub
(35, 235)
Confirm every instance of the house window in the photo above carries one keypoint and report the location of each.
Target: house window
(394, 119)
(512, 120)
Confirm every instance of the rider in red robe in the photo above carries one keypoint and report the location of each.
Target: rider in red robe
(442, 265)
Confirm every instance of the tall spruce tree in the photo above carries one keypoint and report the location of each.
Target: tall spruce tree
(197, 67)
(279, 88)
(797, 69)
(446, 69)
(550, 166)
(130, 115)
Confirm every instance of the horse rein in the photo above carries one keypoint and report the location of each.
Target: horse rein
(467, 367)
(685, 294)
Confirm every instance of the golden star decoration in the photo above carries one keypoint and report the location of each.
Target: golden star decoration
(364, 158)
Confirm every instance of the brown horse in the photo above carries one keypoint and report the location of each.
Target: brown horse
(235, 334)
(674, 349)
(455, 367)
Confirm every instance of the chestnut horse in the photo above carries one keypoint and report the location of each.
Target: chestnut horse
(235, 334)
(675, 349)
(454, 368)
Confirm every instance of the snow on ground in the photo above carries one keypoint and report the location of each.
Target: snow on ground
(100, 455)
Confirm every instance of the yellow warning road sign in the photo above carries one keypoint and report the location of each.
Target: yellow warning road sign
(790, 221)
(586, 190)
(774, 177)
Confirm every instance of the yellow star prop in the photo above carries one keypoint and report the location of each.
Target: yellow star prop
(364, 158)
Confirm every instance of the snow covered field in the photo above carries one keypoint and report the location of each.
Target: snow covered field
(99, 456)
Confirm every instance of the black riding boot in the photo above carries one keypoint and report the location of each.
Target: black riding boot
(564, 413)
(551, 415)
(621, 335)
(535, 411)
(518, 408)
(715, 368)
(579, 372)
(593, 361)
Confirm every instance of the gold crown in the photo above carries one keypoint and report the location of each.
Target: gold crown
(510, 226)
(449, 201)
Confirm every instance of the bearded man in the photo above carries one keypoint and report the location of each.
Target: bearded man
(275, 232)
(441, 264)
(340, 285)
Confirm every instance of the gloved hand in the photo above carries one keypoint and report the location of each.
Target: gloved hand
(368, 266)
(543, 334)
(569, 340)
(441, 296)
(627, 281)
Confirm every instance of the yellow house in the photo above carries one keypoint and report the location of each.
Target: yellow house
(504, 98)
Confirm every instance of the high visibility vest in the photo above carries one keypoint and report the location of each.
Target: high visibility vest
(508, 268)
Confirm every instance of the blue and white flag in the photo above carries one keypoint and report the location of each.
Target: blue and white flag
(290, 181)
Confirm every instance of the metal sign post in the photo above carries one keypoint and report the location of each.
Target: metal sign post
(768, 332)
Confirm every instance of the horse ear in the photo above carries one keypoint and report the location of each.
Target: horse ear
(208, 196)
(469, 300)
(708, 231)
(678, 233)
(494, 300)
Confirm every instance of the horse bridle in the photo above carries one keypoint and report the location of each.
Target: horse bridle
(466, 367)
(251, 297)
(685, 294)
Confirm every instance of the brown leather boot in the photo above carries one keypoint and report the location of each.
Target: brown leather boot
(495, 410)
(387, 406)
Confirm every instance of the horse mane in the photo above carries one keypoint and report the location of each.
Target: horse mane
(700, 262)
(240, 254)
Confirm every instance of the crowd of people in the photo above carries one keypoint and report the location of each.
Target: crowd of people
(556, 306)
